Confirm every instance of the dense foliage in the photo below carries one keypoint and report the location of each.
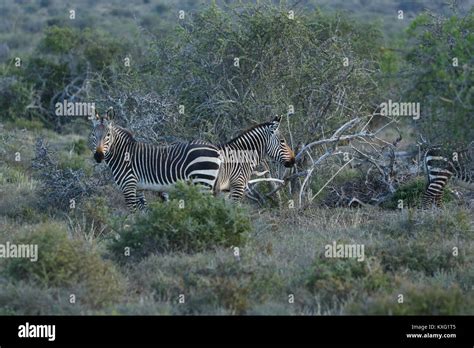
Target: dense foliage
(443, 47)
(191, 221)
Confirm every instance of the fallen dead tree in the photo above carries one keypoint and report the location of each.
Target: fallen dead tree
(381, 169)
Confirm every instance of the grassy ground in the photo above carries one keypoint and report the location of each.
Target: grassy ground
(281, 268)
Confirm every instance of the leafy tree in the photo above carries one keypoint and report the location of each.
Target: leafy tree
(231, 67)
(58, 69)
(440, 58)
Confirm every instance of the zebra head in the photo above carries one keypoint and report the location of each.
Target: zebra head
(277, 148)
(101, 136)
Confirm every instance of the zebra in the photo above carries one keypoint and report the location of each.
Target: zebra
(440, 166)
(241, 155)
(138, 166)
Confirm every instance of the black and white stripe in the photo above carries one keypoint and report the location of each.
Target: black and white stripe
(140, 166)
(242, 155)
(440, 167)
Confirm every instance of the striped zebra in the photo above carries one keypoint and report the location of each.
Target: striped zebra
(242, 155)
(440, 166)
(138, 166)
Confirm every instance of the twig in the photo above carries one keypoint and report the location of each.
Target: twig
(335, 137)
(266, 179)
(331, 179)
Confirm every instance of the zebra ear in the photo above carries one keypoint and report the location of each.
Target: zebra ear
(110, 113)
(95, 119)
(276, 122)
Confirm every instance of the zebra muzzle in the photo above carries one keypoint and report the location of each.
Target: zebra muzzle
(290, 163)
(98, 156)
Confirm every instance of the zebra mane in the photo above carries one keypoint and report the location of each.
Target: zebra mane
(125, 132)
(248, 130)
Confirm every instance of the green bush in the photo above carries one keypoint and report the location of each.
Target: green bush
(338, 279)
(63, 262)
(15, 95)
(89, 46)
(418, 299)
(424, 242)
(411, 192)
(23, 207)
(419, 256)
(96, 211)
(75, 162)
(80, 147)
(449, 223)
(60, 183)
(465, 275)
(26, 298)
(192, 221)
(57, 65)
(211, 282)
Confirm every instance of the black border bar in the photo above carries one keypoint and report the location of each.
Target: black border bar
(134, 330)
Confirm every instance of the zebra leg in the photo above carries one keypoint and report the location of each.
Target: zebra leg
(141, 201)
(439, 201)
(430, 201)
(164, 196)
(237, 192)
(426, 200)
(433, 195)
(130, 194)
